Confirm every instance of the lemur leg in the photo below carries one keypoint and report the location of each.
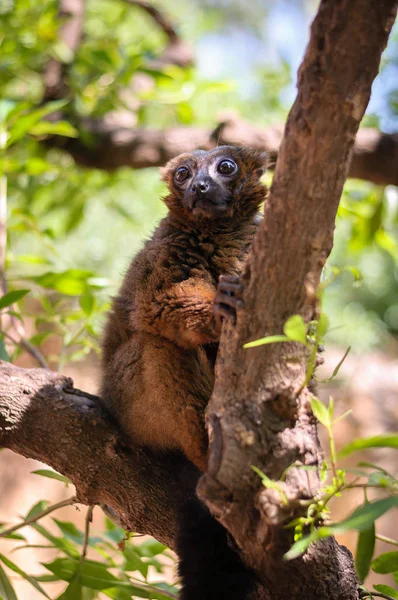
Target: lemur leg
(168, 413)
(209, 568)
(228, 299)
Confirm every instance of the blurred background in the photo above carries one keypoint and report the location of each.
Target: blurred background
(72, 230)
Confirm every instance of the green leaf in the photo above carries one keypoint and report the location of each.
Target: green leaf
(337, 368)
(72, 282)
(71, 532)
(93, 574)
(151, 548)
(74, 590)
(6, 107)
(37, 509)
(300, 546)
(32, 259)
(296, 329)
(20, 572)
(271, 339)
(382, 480)
(388, 440)
(58, 128)
(364, 553)
(320, 411)
(26, 122)
(362, 518)
(64, 545)
(52, 475)
(87, 303)
(3, 351)
(12, 297)
(386, 563)
(322, 326)
(6, 589)
(386, 589)
(134, 562)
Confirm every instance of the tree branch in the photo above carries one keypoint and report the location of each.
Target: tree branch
(258, 415)
(144, 492)
(374, 158)
(177, 52)
(71, 14)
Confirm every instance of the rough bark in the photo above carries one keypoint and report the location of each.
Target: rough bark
(43, 417)
(375, 155)
(259, 414)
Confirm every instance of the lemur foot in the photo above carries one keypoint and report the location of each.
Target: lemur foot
(228, 299)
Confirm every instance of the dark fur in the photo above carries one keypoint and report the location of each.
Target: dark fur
(161, 338)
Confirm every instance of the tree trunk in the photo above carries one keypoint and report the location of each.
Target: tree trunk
(259, 414)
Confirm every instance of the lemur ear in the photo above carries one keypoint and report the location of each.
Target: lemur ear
(255, 160)
(260, 160)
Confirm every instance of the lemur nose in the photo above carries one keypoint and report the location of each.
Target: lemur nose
(200, 186)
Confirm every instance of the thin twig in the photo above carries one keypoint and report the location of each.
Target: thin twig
(388, 540)
(378, 594)
(43, 513)
(25, 344)
(88, 521)
(158, 17)
(149, 587)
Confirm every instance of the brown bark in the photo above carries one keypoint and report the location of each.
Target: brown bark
(258, 414)
(43, 417)
(374, 158)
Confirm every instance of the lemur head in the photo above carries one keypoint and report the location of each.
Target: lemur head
(221, 184)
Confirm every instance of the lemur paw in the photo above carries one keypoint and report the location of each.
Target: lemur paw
(228, 299)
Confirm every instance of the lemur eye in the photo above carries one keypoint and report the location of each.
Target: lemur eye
(227, 167)
(182, 174)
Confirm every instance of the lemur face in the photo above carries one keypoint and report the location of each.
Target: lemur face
(216, 184)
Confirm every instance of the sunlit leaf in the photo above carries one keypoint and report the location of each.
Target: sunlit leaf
(36, 509)
(362, 518)
(320, 411)
(386, 589)
(271, 339)
(296, 329)
(388, 440)
(58, 128)
(25, 123)
(52, 475)
(386, 563)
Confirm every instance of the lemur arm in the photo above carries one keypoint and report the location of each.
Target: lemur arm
(182, 312)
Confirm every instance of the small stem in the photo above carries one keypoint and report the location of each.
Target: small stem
(26, 345)
(50, 509)
(89, 519)
(332, 447)
(149, 587)
(388, 540)
(379, 595)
